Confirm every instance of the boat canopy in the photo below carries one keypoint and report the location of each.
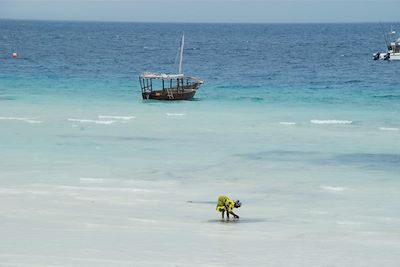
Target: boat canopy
(162, 76)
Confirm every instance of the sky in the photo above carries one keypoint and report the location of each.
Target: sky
(223, 11)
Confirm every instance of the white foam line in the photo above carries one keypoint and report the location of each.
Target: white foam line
(13, 118)
(349, 223)
(331, 122)
(389, 129)
(92, 121)
(33, 121)
(28, 120)
(334, 188)
(13, 191)
(76, 259)
(101, 117)
(175, 114)
(103, 189)
(287, 123)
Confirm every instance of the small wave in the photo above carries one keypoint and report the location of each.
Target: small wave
(92, 121)
(353, 81)
(287, 123)
(103, 189)
(7, 98)
(252, 98)
(335, 189)
(331, 122)
(151, 48)
(101, 117)
(28, 120)
(389, 129)
(33, 121)
(175, 114)
(22, 191)
(387, 96)
(349, 223)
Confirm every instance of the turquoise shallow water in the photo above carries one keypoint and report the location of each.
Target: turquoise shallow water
(292, 119)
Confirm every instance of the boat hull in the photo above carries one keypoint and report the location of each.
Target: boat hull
(395, 56)
(171, 95)
(383, 56)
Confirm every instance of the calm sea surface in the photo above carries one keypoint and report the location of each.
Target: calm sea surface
(296, 120)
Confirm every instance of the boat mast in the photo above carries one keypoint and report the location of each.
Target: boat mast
(384, 35)
(181, 54)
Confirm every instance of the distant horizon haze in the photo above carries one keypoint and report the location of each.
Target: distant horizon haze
(203, 11)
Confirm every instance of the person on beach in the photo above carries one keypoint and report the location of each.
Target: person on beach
(225, 204)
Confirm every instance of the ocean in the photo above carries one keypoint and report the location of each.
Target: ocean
(295, 120)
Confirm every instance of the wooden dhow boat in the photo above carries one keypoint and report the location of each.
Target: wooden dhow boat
(162, 86)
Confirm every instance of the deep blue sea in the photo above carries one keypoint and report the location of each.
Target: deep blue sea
(296, 120)
(294, 64)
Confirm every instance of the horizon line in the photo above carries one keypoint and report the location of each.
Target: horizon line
(194, 22)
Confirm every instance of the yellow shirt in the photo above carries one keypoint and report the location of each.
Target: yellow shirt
(225, 204)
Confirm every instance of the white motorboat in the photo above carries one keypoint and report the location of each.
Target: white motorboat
(393, 49)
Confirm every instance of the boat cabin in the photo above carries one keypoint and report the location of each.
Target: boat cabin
(394, 47)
